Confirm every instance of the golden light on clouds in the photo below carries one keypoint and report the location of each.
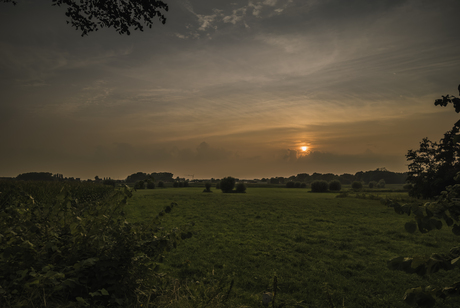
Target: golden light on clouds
(304, 148)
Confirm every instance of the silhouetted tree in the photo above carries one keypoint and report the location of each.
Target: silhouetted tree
(92, 15)
(434, 165)
(227, 184)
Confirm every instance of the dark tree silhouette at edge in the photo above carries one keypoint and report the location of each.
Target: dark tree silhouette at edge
(92, 15)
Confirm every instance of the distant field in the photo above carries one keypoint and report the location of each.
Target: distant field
(325, 251)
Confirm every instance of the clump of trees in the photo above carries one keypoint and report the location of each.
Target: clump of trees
(240, 188)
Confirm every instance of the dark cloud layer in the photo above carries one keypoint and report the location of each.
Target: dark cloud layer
(227, 87)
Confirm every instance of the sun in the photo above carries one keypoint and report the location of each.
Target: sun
(304, 148)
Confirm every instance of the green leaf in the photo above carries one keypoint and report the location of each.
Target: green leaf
(104, 292)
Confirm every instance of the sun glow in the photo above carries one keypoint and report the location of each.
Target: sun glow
(304, 148)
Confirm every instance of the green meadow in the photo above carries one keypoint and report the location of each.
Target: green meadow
(325, 251)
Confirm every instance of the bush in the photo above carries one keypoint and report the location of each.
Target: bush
(303, 185)
(319, 186)
(161, 184)
(381, 184)
(80, 250)
(297, 185)
(207, 187)
(150, 185)
(218, 185)
(227, 184)
(290, 184)
(357, 185)
(372, 184)
(335, 185)
(240, 188)
(139, 185)
(186, 184)
(176, 184)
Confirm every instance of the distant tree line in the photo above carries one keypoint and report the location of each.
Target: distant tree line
(157, 176)
(376, 175)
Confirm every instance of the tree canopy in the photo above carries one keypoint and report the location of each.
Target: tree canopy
(434, 165)
(92, 15)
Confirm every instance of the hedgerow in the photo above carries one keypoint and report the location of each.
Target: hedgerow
(70, 243)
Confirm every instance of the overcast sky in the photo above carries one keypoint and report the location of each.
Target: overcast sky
(227, 88)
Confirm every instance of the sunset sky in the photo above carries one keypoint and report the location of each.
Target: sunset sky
(227, 88)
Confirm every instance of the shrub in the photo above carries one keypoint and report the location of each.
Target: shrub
(139, 185)
(372, 184)
(297, 185)
(227, 184)
(161, 184)
(335, 185)
(381, 184)
(150, 184)
(186, 184)
(319, 186)
(176, 184)
(218, 185)
(181, 184)
(240, 188)
(207, 187)
(357, 185)
(290, 184)
(80, 250)
(303, 185)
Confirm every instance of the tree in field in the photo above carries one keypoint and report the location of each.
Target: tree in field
(319, 186)
(432, 169)
(92, 15)
(357, 185)
(434, 165)
(227, 184)
(335, 185)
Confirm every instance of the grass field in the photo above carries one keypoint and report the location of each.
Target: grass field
(325, 251)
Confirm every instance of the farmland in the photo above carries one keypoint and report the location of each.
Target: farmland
(325, 251)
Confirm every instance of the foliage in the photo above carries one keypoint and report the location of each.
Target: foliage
(381, 184)
(161, 184)
(319, 186)
(90, 15)
(36, 176)
(227, 184)
(64, 243)
(110, 182)
(373, 184)
(240, 188)
(176, 184)
(207, 186)
(150, 184)
(218, 185)
(290, 184)
(297, 185)
(303, 185)
(357, 185)
(139, 185)
(335, 185)
(428, 217)
(434, 165)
